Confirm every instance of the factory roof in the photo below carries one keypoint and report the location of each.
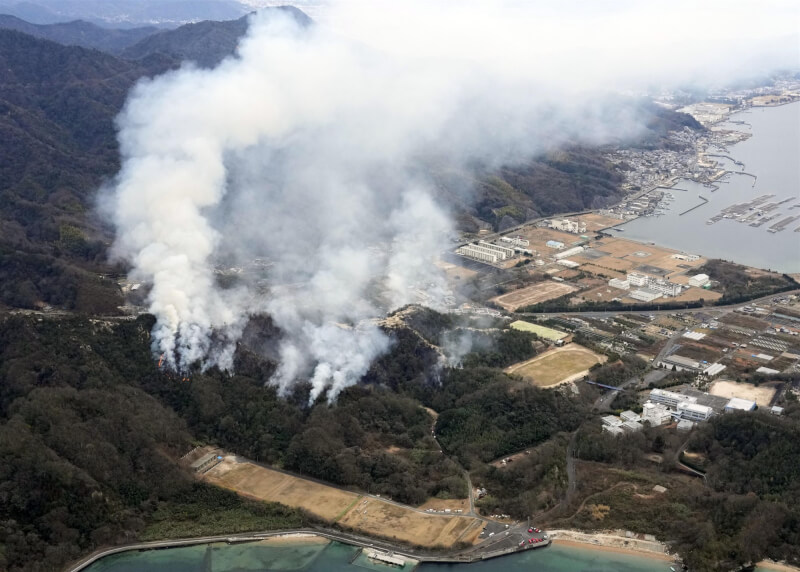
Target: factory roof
(714, 369)
(682, 361)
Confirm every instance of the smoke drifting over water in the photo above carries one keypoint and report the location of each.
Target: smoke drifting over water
(305, 150)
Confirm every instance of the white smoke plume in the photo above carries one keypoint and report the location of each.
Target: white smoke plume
(307, 149)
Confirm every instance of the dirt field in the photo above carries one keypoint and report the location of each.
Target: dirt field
(557, 366)
(360, 513)
(258, 482)
(539, 237)
(439, 504)
(380, 518)
(454, 271)
(762, 395)
(694, 293)
(631, 252)
(534, 294)
(603, 293)
(604, 272)
(595, 222)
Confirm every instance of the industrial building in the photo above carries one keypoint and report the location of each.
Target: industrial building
(713, 369)
(694, 412)
(554, 244)
(736, 404)
(568, 263)
(620, 284)
(567, 225)
(670, 398)
(680, 363)
(570, 252)
(699, 280)
(656, 414)
(645, 295)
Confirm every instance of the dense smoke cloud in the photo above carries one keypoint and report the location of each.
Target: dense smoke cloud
(308, 149)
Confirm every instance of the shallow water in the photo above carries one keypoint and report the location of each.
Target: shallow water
(336, 557)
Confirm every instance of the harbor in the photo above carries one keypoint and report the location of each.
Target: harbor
(753, 217)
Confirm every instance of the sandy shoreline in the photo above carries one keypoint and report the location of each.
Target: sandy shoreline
(612, 543)
(295, 538)
(770, 565)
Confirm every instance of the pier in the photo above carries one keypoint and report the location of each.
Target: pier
(702, 198)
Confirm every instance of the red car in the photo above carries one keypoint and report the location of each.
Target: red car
(530, 541)
(530, 530)
(536, 530)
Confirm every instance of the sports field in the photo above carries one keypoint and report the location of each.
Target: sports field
(557, 366)
(351, 510)
(534, 294)
(762, 395)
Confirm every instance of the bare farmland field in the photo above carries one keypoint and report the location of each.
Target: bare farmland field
(361, 513)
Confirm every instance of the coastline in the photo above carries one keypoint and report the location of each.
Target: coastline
(606, 542)
(770, 565)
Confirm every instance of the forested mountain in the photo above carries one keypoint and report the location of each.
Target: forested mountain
(57, 108)
(124, 13)
(79, 33)
(205, 43)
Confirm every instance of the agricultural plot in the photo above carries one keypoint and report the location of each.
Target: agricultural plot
(533, 294)
(560, 365)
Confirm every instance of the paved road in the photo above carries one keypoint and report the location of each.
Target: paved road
(633, 310)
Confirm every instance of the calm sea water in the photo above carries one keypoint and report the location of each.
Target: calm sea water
(336, 557)
(771, 153)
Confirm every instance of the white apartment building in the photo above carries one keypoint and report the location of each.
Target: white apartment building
(504, 250)
(479, 253)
